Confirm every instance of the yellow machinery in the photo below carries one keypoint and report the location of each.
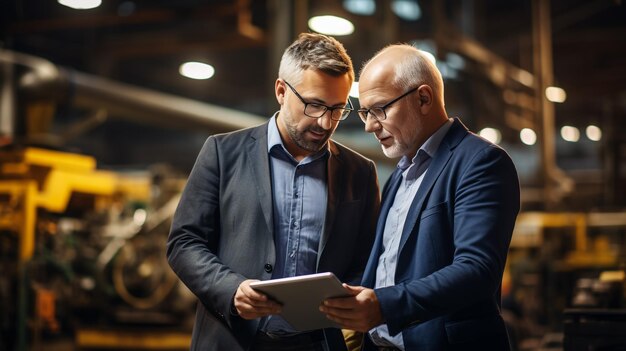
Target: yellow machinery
(587, 250)
(37, 187)
(32, 179)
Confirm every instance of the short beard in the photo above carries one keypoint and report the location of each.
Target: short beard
(394, 151)
(298, 138)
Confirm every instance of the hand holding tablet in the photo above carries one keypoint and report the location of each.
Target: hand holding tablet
(301, 297)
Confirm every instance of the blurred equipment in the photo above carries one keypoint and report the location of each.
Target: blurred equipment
(83, 247)
(564, 261)
(605, 292)
(598, 319)
(595, 329)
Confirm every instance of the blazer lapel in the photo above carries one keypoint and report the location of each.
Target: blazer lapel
(333, 187)
(258, 159)
(434, 170)
(454, 136)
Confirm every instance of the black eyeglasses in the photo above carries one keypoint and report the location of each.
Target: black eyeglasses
(378, 112)
(315, 110)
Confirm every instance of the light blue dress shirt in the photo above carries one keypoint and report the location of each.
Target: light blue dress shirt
(300, 199)
(413, 173)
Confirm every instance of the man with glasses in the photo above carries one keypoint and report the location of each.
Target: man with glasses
(274, 201)
(433, 278)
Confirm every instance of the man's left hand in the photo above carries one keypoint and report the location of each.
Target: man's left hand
(360, 312)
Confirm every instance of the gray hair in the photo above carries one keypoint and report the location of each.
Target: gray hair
(314, 51)
(414, 70)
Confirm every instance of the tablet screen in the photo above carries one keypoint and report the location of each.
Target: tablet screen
(301, 297)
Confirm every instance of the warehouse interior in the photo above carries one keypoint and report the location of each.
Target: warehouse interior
(99, 130)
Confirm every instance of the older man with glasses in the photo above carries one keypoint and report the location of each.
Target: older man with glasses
(432, 282)
(278, 200)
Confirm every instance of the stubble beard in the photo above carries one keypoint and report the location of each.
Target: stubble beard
(308, 145)
(394, 151)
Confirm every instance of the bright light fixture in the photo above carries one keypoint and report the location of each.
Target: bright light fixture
(81, 4)
(491, 134)
(556, 94)
(139, 217)
(408, 10)
(447, 72)
(196, 70)
(525, 78)
(569, 133)
(528, 136)
(354, 90)
(594, 133)
(360, 7)
(331, 25)
(455, 61)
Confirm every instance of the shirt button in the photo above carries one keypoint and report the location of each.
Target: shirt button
(268, 268)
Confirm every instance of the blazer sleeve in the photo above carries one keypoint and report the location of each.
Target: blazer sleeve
(481, 210)
(195, 233)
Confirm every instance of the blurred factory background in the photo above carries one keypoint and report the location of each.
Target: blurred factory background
(100, 124)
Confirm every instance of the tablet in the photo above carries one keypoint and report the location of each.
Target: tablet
(301, 298)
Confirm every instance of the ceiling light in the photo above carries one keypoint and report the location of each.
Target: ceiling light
(528, 136)
(81, 4)
(426, 47)
(447, 72)
(408, 10)
(360, 7)
(555, 94)
(126, 8)
(455, 61)
(196, 70)
(491, 134)
(139, 217)
(594, 133)
(525, 78)
(569, 133)
(354, 90)
(331, 25)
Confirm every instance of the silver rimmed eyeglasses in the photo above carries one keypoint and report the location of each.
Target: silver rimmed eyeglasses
(315, 110)
(378, 112)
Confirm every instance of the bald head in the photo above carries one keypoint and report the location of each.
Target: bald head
(401, 98)
(402, 66)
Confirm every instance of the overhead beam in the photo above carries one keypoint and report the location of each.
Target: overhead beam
(142, 105)
(174, 43)
(93, 21)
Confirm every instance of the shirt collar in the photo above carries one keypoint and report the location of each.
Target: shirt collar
(429, 147)
(273, 135)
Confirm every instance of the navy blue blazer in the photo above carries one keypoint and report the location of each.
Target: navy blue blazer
(223, 231)
(453, 249)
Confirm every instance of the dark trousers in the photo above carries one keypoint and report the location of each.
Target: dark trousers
(311, 341)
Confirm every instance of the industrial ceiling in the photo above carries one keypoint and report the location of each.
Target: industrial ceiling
(485, 46)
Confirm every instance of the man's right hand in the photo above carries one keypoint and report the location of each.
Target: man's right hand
(251, 304)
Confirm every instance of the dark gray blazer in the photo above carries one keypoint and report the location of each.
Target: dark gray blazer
(223, 231)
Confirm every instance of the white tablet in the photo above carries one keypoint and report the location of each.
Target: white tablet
(301, 298)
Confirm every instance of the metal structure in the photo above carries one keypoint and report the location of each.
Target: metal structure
(77, 247)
